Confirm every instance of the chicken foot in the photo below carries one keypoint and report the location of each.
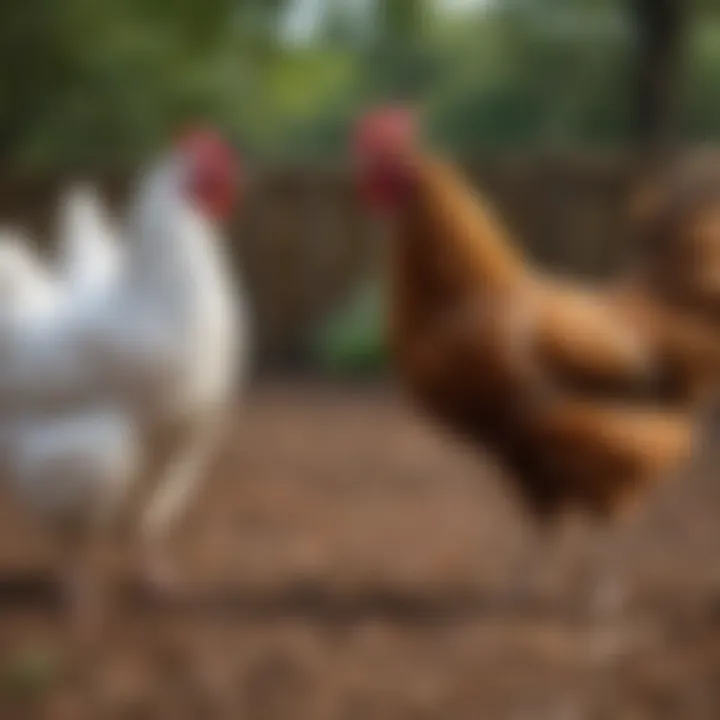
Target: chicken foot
(600, 589)
(603, 591)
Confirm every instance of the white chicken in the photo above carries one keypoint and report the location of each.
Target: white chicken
(114, 389)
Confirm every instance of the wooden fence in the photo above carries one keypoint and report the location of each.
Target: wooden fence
(303, 244)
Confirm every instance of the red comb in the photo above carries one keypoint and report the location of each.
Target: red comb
(215, 169)
(201, 137)
(385, 130)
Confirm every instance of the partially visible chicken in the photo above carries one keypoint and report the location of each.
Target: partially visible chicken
(677, 218)
(114, 394)
(587, 395)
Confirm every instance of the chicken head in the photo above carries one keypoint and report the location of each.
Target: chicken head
(383, 145)
(214, 176)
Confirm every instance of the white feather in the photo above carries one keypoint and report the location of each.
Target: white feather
(90, 252)
(74, 468)
(128, 342)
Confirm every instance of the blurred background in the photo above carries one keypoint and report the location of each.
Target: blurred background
(361, 544)
(545, 100)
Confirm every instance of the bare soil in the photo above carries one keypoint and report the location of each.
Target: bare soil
(353, 564)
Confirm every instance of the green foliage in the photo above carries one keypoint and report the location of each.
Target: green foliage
(97, 81)
(353, 341)
(702, 100)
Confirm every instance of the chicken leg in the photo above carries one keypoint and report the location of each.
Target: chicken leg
(85, 579)
(595, 580)
(176, 487)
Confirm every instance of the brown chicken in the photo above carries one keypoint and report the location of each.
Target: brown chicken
(587, 396)
(677, 216)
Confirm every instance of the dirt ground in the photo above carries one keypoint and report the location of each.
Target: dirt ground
(354, 563)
